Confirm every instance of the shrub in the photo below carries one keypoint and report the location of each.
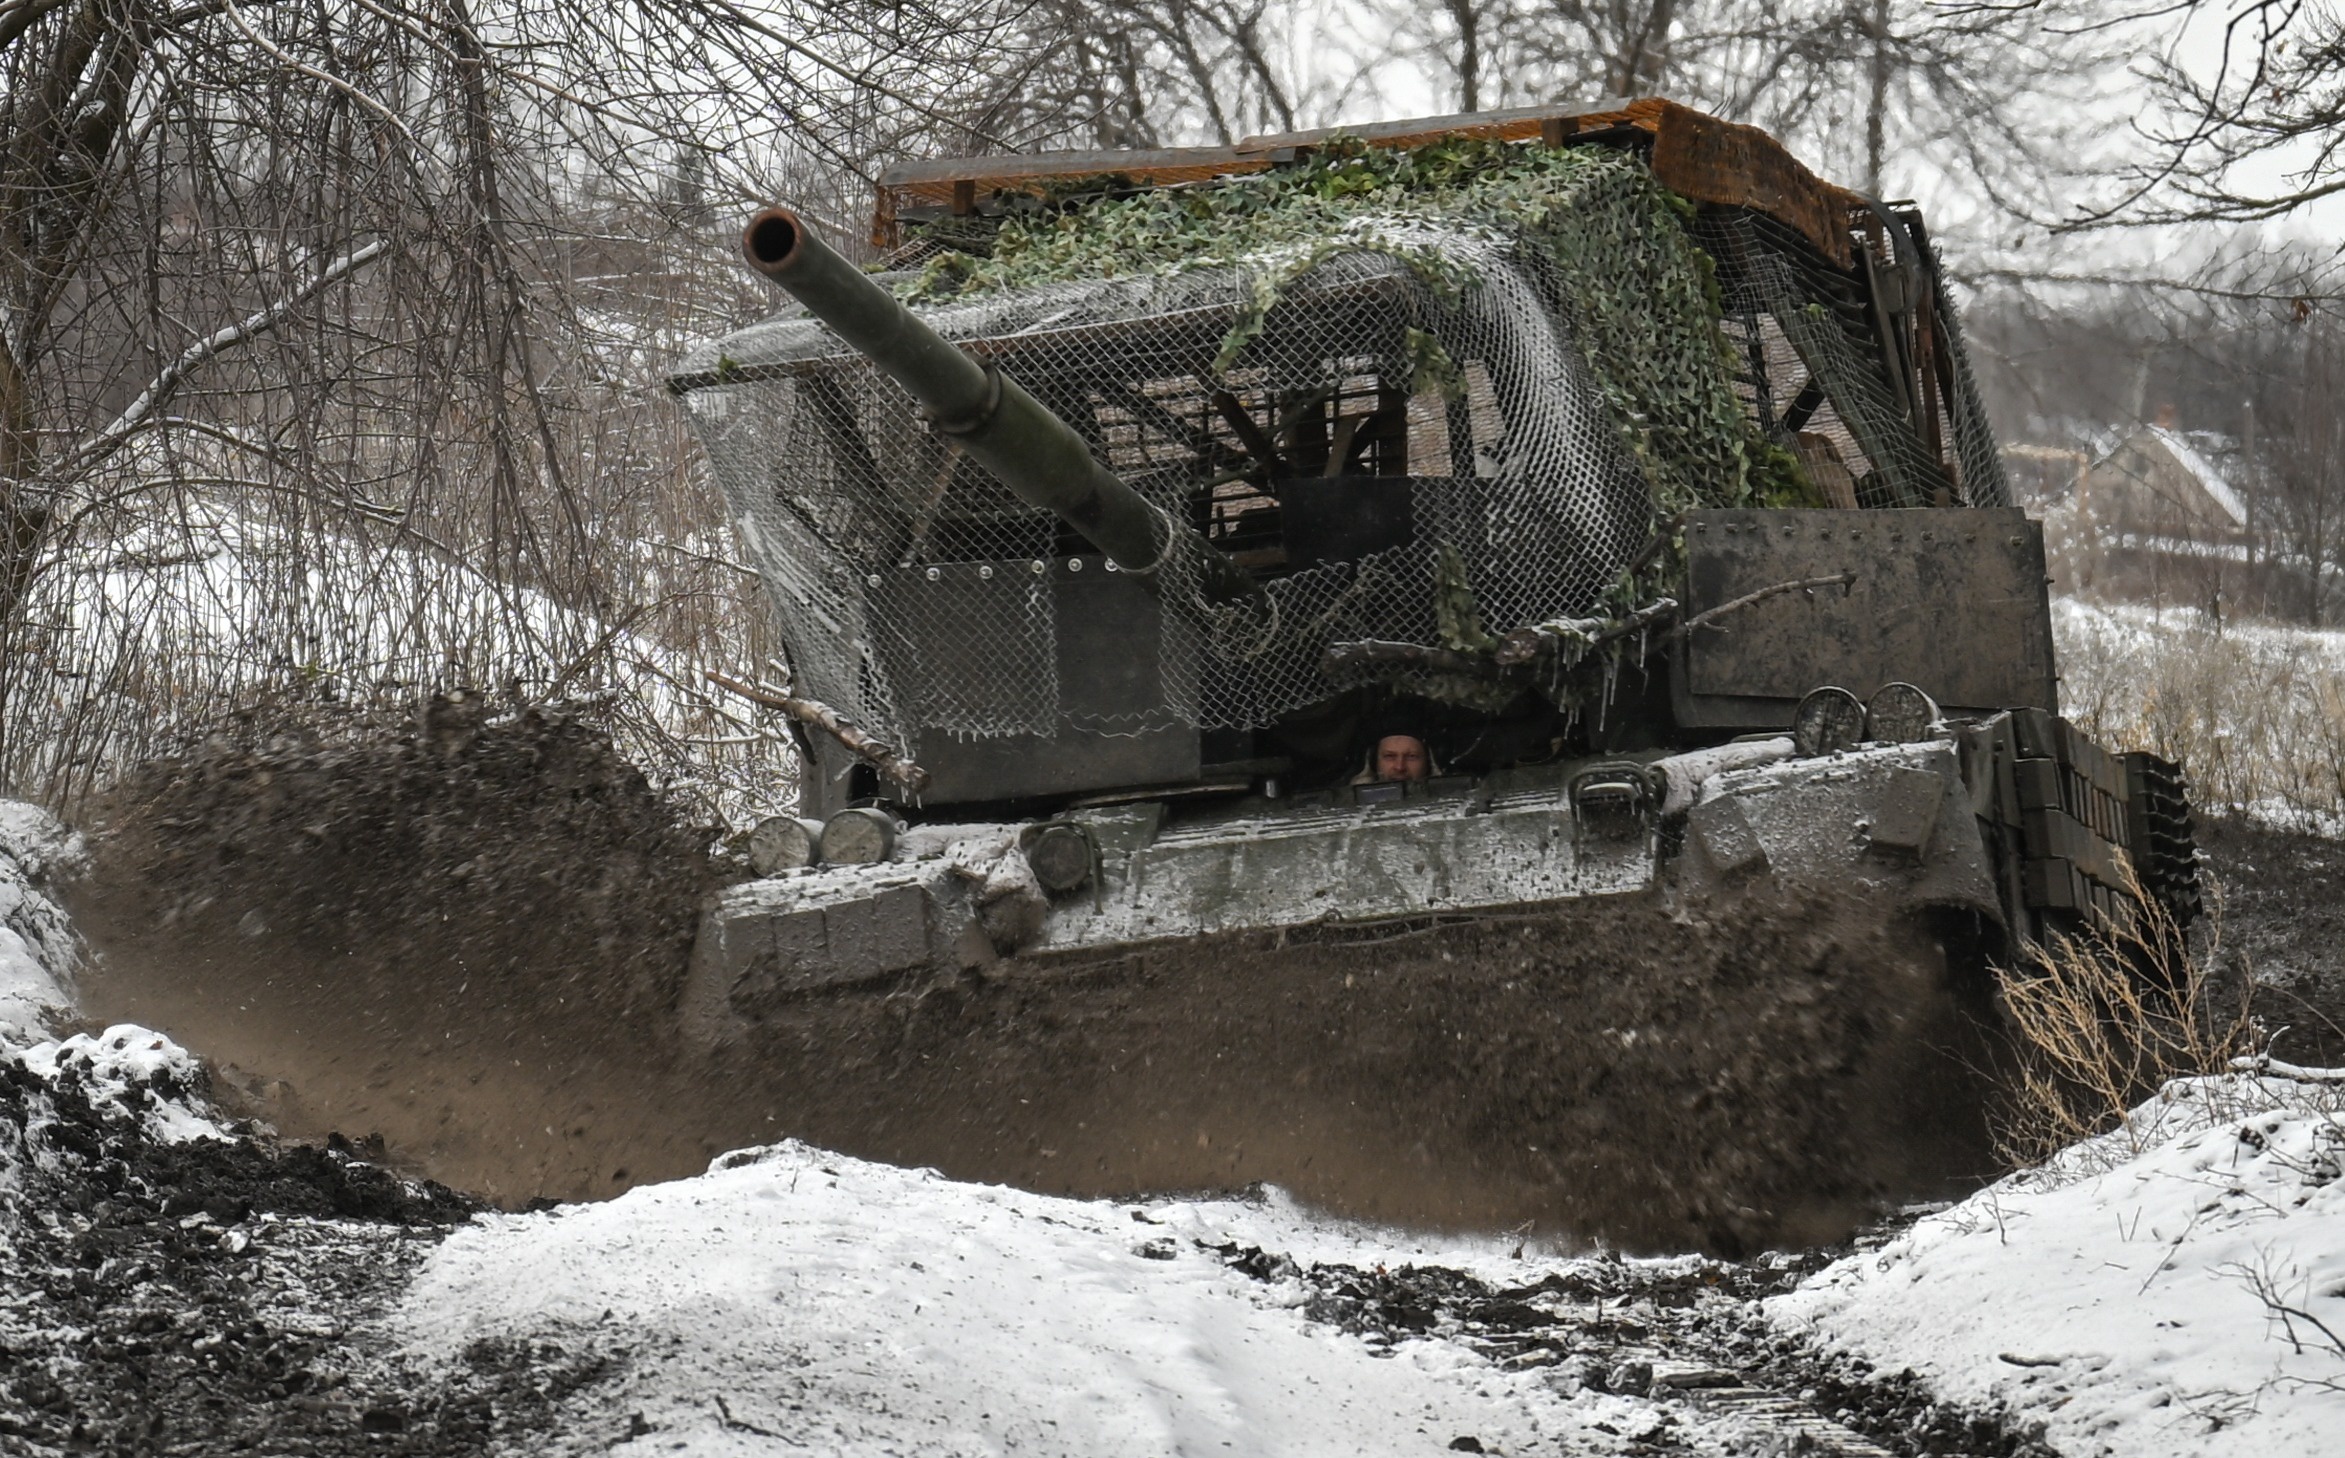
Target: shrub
(2102, 1019)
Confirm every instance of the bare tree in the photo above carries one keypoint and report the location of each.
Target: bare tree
(2003, 102)
(2244, 354)
(1151, 73)
(2258, 135)
(1500, 53)
(1891, 94)
(2299, 446)
(323, 283)
(1469, 20)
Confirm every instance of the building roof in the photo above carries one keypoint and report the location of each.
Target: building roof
(2202, 471)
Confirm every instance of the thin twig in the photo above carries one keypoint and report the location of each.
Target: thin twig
(2265, 1065)
(726, 1414)
(898, 770)
(1709, 617)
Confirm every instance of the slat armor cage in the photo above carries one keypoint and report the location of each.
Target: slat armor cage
(1424, 420)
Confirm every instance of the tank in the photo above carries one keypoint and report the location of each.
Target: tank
(1480, 669)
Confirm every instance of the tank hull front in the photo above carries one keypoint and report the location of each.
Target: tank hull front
(1722, 1020)
(1891, 826)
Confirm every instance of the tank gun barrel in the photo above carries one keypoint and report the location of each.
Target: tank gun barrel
(1034, 453)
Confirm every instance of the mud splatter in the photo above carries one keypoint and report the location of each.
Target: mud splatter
(468, 937)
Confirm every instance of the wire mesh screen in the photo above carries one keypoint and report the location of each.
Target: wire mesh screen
(1856, 392)
(915, 589)
(1382, 446)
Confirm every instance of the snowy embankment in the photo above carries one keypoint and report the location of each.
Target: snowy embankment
(137, 1077)
(2173, 1287)
(794, 1297)
(126, 1075)
(37, 949)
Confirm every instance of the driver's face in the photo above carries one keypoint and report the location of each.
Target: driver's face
(1400, 757)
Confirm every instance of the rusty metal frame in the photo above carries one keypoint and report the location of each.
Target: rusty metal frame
(1697, 155)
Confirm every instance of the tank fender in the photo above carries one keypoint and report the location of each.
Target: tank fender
(1889, 823)
(767, 940)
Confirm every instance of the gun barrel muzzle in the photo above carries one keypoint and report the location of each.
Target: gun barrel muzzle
(1039, 457)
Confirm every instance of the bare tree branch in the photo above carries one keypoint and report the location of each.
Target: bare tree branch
(136, 416)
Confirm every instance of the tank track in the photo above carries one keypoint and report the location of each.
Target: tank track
(2158, 828)
(2078, 829)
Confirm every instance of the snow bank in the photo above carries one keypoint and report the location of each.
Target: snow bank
(129, 1072)
(861, 1308)
(125, 1073)
(125, 1079)
(2126, 1292)
(38, 952)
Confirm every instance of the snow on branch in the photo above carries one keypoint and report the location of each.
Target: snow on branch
(2265, 1065)
(160, 389)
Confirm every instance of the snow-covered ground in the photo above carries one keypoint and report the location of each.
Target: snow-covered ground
(843, 1306)
(2173, 1287)
(792, 1300)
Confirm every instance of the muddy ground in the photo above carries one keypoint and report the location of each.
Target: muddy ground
(2282, 907)
(218, 1296)
(467, 938)
(1689, 1332)
(200, 1297)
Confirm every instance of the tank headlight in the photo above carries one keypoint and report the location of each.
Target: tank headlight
(1827, 721)
(1060, 856)
(863, 836)
(783, 843)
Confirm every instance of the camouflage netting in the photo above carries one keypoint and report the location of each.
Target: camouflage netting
(1428, 396)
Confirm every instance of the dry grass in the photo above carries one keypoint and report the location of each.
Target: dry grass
(2104, 1019)
(2255, 713)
